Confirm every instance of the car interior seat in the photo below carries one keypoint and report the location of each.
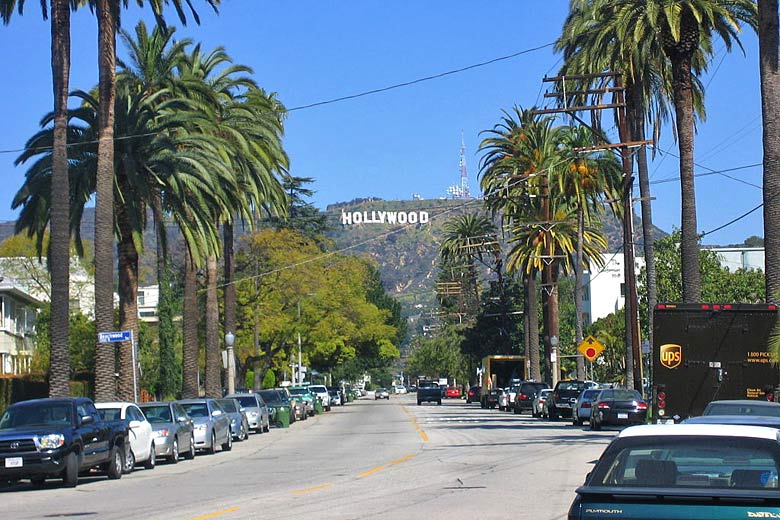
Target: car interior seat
(749, 478)
(656, 473)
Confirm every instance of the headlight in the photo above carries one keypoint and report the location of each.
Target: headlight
(49, 442)
(201, 426)
(161, 433)
(253, 414)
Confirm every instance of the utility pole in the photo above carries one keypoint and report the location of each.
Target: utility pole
(633, 348)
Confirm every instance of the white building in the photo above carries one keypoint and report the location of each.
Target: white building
(18, 312)
(734, 258)
(148, 300)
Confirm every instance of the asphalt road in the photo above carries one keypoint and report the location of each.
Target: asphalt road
(369, 459)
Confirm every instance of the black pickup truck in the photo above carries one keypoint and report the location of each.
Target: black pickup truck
(59, 438)
(428, 391)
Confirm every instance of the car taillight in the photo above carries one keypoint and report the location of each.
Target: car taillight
(471, 393)
(770, 396)
(522, 396)
(586, 404)
(603, 406)
(641, 406)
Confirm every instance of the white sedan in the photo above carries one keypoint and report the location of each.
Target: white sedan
(141, 434)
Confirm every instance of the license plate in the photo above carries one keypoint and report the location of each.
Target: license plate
(13, 462)
(622, 416)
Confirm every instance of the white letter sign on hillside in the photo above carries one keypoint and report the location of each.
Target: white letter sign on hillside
(349, 218)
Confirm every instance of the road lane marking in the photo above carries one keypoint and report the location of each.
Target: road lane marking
(310, 490)
(218, 513)
(403, 459)
(416, 425)
(371, 471)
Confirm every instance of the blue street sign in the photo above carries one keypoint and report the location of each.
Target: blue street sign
(115, 337)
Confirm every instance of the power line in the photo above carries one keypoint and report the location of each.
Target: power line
(420, 80)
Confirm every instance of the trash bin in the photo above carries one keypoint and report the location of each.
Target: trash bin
(318, 409)
(350, 397)
(283, 417)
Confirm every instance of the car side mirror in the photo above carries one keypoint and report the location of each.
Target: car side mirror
(181, 419)
(242, 409)
(216, 413)
(87, 419)
(134, 424)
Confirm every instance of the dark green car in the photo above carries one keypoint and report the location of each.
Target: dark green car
(685, 472)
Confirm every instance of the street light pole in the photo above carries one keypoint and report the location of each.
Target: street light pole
(300, 357)
(554, 360)
(230, 339)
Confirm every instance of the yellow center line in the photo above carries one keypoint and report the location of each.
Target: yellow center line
(403, 459)
(218, 513)
(309, 490)
(416, 425)
(371, 471)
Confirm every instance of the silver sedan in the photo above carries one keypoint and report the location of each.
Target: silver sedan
(173, 430)
(212, 424)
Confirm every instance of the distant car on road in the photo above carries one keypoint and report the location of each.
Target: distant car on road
(427, 392)
(679, 471)
(565, 394)
(474, 394)
(174, 432)
(527, 391)
(539, 406)
(141, 435)
(381, 393)
(453, 392)
(239, 424)
(400, 389)
(743, 407)
(212, 424)
(321, 391)
(582, 406)
(617, 406)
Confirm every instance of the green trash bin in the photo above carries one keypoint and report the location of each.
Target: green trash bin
(318, 409)
(282, 419)
(350, 397)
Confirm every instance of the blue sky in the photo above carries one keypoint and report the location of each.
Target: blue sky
(393, 144)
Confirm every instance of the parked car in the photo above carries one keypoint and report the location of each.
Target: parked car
(141, 436)
(338, 395)
(744, 420)
(527, 392)
(453, 392)
(174, 430)
(617, 406)
(503, 399)
(303, 394)
(511, 395)
(474, 394)
(539, 406)
(253, 405)
(239, 424)
(565, 394)
(743, 407)
(321, 391)
(675, 471)
(278, 403)
(59, 438)
(490, 399)
(412, 389)
(582, 406)
(381, 393)
(212, 424)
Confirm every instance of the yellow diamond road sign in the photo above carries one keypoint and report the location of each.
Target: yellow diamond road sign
(590, 348)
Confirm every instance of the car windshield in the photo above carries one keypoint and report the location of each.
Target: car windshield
(318, 389)
(59, 414)
(196, 409)
(571, 385)
(700, 462)
(742, 409)
(157, 414)
(110, 414)
(229, 405)
(620, 395)
(590, 395)
(270, 396)
(247, 401)
(299, 391)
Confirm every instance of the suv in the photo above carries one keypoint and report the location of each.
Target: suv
(526, 393)
(473, 394)
(564, 397)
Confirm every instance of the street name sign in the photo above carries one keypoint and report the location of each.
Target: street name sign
(115, 337)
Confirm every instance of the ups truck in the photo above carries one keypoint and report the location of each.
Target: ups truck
(706, 352)
(502, 371)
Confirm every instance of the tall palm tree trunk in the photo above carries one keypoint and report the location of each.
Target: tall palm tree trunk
(578, 289)
(637, 124)
(770, 103)
(128, 305)
(680, 56)
(213, 351)
(59, 252)
(190, 387)
(532, 325)
(105, 361)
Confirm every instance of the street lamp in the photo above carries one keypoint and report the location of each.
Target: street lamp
(230, 340)
(554, 359)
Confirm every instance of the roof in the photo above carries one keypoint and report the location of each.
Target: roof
(747, 420)
(114, 404)
(747, 402)
(701, 430)
(51, 400)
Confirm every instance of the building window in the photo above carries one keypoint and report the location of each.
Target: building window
(141, 298)
(623, 290)
(586, 292)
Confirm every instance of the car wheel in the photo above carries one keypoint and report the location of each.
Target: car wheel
(174, 458)
(115, 464)
(595, 426)
(129, 462)
(228, 445)
(438, 402)
(246, 431)
(70, 475)
(213, 447)
(419, 403)
(190, 454)
(267, 425)
(151, 462)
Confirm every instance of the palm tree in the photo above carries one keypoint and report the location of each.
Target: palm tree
(59, 245)
(770, 90)
(107, 12)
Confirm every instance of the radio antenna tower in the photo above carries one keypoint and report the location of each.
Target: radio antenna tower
(464, 177)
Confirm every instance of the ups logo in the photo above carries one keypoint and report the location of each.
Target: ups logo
(671, 355)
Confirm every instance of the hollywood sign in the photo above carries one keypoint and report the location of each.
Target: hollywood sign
(349, 218)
